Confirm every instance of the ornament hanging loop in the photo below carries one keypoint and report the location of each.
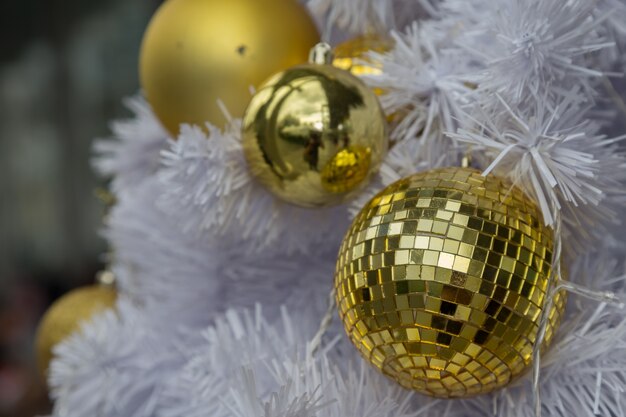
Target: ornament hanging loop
(316, 342)
(321, 54)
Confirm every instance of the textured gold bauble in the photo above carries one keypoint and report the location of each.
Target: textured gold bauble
(313, 134)
(351, 55)
(66, 315)
(195, 52)
(441, 281)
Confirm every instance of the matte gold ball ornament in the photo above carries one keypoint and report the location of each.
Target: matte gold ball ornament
(195, 52)
(441, 281)
(313, 134)
(68, 313)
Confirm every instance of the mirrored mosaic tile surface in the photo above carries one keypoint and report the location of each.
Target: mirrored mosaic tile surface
(441, 281)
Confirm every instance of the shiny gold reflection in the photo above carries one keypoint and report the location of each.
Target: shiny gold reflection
(313, 135)
(441, 281)
(352, 55)
(347, 169)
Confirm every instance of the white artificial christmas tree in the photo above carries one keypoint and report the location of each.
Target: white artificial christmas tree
(223, 287)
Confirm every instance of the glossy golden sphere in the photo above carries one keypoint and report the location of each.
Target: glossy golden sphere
(195, 52)
(314, 134)
(352, 55)
(66, 315)
(441, 282)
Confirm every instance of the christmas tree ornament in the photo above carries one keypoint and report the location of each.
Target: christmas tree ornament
(313, 134)
(441, 282)
(196, 52)
(68, 313)
(352, 55)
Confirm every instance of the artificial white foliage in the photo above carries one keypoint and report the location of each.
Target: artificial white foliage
(550, 153)
(281, 403)
(238, 340)
(425, 85)
(180, 283)
(615, 29)
(535, 48)
(355, 16)
(132, 154)
(224, 286)
(213, 167)
(114, 366)
(250, 367)
(207, 187)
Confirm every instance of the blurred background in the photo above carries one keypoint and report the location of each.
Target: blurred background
(65, 66)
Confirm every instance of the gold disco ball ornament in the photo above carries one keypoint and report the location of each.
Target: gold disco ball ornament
(196, 52)
(66, 316)
(441, 281)
(314, 134)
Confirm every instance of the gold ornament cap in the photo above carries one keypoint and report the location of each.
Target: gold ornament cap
(314, 134)
(441, 281)
(321, 54)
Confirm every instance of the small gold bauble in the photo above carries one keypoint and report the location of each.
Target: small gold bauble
(351, 55)
(195, 52)
(313, 134)
(66, 315)
(441, 282)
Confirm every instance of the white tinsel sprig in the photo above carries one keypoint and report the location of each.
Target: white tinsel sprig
(200, 170)
(249, 367)
(355, 16)
(172, 273)
(236, 340)
(561, 160)
(359, 17)
(425, 85)
(245, 401)
(113, 366)
(132, 154)
(208, 189)
(535, 49)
